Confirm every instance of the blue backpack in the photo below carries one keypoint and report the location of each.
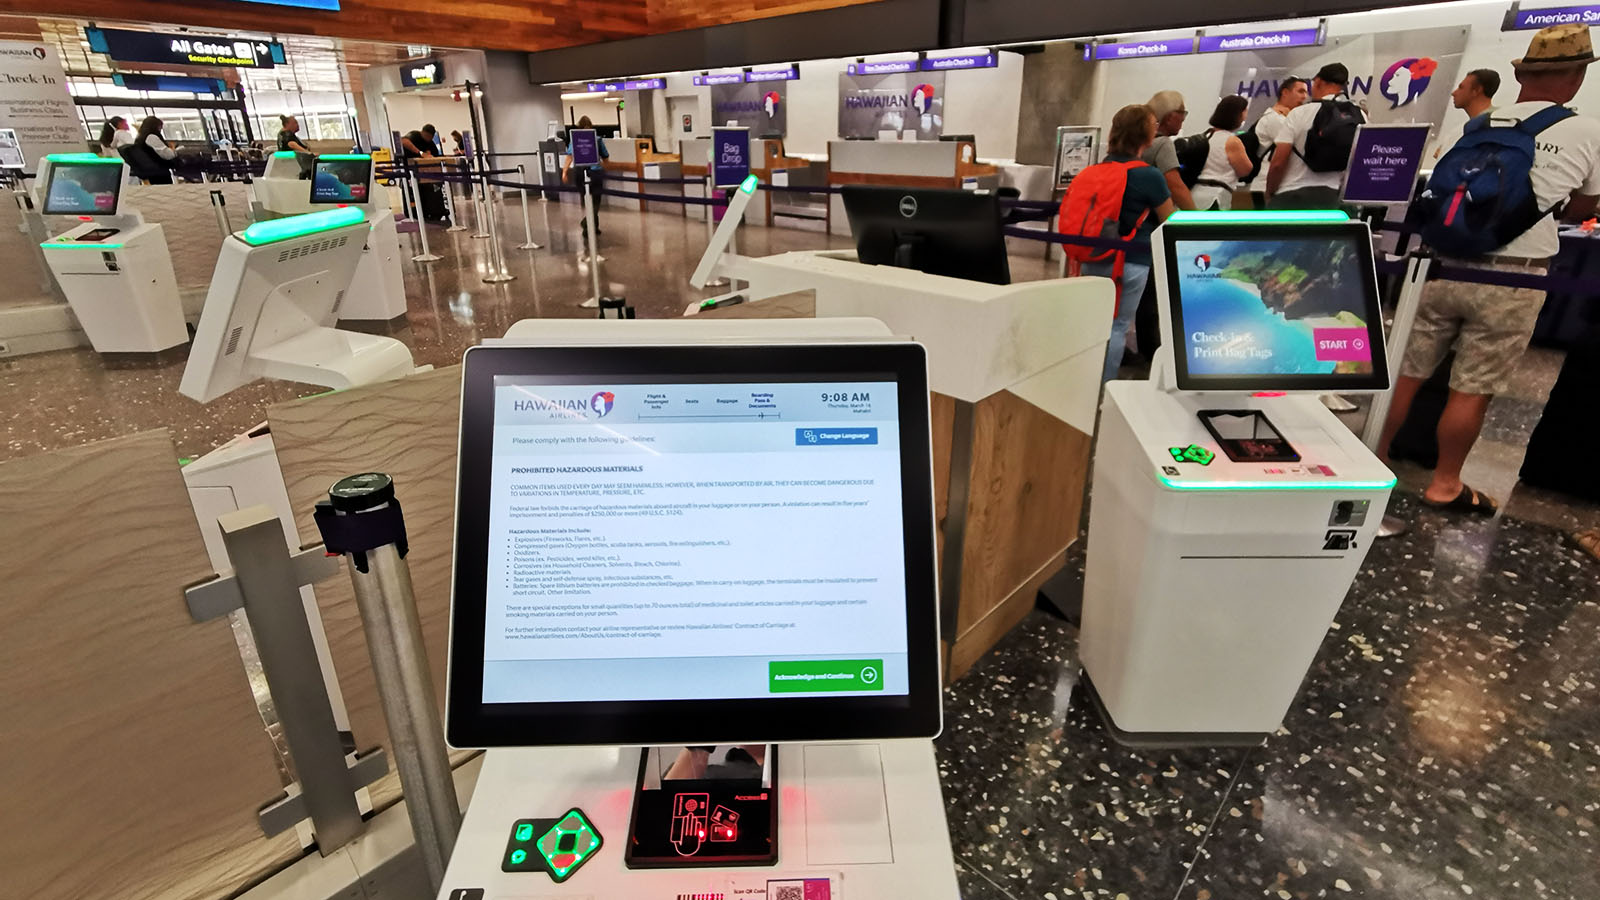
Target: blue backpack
(1480, 196)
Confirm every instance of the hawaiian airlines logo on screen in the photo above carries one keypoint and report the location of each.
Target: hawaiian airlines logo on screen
(601, 403)
(1406, 79)
(922, 98)
(770, 102)
(1202, 262)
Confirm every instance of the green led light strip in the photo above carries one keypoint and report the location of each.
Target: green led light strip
(1262, 217)
(749, 184)
(79, 245)
(82, 158)
(283, 229)
(342, 156)
(1275, 486)
(284, 154)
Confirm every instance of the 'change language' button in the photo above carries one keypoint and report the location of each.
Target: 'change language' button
(834, 437)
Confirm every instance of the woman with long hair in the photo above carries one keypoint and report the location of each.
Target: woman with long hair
(114, 135)
(154, 153)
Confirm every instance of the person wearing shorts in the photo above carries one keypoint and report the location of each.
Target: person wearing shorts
(1489, 325)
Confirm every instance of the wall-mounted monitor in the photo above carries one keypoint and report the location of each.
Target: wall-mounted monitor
(422, 73)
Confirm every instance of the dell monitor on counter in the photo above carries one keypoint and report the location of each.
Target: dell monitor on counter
(955, 233)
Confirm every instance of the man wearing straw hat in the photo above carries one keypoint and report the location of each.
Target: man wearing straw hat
(1488, 325)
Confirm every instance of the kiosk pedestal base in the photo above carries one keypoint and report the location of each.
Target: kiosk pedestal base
(864, 821)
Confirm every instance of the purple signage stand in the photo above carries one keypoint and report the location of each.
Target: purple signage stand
(1384, 162)
(585, 146)
(730, 156)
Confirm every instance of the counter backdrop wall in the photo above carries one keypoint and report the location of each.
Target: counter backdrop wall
(1402, 76)
(762, 107)
(36, 103)
(910, 104)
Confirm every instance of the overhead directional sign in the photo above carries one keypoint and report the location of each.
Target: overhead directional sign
(421, 73)
(184, 49)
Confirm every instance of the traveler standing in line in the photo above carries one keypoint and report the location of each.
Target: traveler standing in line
(153, 154)
(1170, 114)
(1475, 94)
(114, 135)
(289, 142)
(1120, 197)
(1489, 325)
(595, 174)
(1313, 148)
(1226, 161)
(1292, 92)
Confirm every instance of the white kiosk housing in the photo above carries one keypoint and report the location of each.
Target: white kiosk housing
(377, 293)
(113, 266)
(1231, 509)
(847, 803)
(276, 294)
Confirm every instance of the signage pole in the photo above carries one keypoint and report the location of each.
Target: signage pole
(485, 210)
(594, 249)
(528, 242)
(711, 229)
(497, 258)
(422, 220)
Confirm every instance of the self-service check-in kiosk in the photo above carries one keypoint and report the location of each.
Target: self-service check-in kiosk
(719, 550)
(297, 183)
(1231, 510)
(113, 266)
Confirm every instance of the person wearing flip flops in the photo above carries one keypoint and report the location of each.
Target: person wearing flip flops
(1489, 325)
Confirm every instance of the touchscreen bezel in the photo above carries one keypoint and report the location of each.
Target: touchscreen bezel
(472, 723)
(1353, 232)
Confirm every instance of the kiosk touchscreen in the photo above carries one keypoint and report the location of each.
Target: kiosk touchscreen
(1232, 509)
(273, 300)
(112, 266)
(341, 179)
(704, 551)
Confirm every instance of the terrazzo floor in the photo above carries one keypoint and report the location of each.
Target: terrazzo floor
(1446, 742)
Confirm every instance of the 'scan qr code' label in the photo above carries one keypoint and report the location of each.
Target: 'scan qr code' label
(800, 889)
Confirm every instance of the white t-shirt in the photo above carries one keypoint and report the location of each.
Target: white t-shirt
(1268, 127)
(1295, 128)
(1566, 159)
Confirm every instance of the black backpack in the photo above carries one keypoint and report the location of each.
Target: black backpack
(1192, 151)
(1252, 148)
(1332, 134)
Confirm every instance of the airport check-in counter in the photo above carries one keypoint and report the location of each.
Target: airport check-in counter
(634, 158)
(773, 166)
(924, 164)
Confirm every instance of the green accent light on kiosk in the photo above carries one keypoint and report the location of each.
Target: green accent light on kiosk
(1263, 217)
(79, 245)
(1276, 485)
(283, 229)
(339, 155)
(749, 184)
(525, 831)
(518, 857)
(91, 158)
(284, 154)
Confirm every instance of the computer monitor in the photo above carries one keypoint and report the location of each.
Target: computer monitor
(1270, 302)
(274, 297)
(693, 544)
(969, 138)
(342, 178)
(83, 185)
(941, 232)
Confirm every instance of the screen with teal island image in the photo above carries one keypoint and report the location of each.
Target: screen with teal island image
(1269, 308)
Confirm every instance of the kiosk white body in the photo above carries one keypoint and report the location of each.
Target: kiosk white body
(114, 267)
(859, 819)
(377, 291)
(274, 299)
(1211, 581)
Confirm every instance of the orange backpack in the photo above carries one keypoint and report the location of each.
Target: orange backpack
(1092, 208)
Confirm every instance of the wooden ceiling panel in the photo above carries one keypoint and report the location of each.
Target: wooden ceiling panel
(480, 24)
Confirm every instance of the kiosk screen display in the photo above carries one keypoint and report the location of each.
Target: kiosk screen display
(83, 189)
(694, 540)
(341, 180)
(1264, 313)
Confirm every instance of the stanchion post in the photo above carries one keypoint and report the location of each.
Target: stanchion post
(450, 206)
(220, 204)
(528, 243)
(426, 255)
(714, 281)
(362, 519)
(1405, 315)
(594, 243)
(485, 209)
(497, 259)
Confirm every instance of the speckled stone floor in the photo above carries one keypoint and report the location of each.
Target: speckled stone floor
(1445, 744)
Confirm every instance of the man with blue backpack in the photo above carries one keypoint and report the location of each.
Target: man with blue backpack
(1492, 203)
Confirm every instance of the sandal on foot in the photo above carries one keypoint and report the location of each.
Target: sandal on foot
(1588, 541)
(1468, 501)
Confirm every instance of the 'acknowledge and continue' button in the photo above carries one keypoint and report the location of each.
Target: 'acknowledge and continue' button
(822, 675)
(835, 437)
